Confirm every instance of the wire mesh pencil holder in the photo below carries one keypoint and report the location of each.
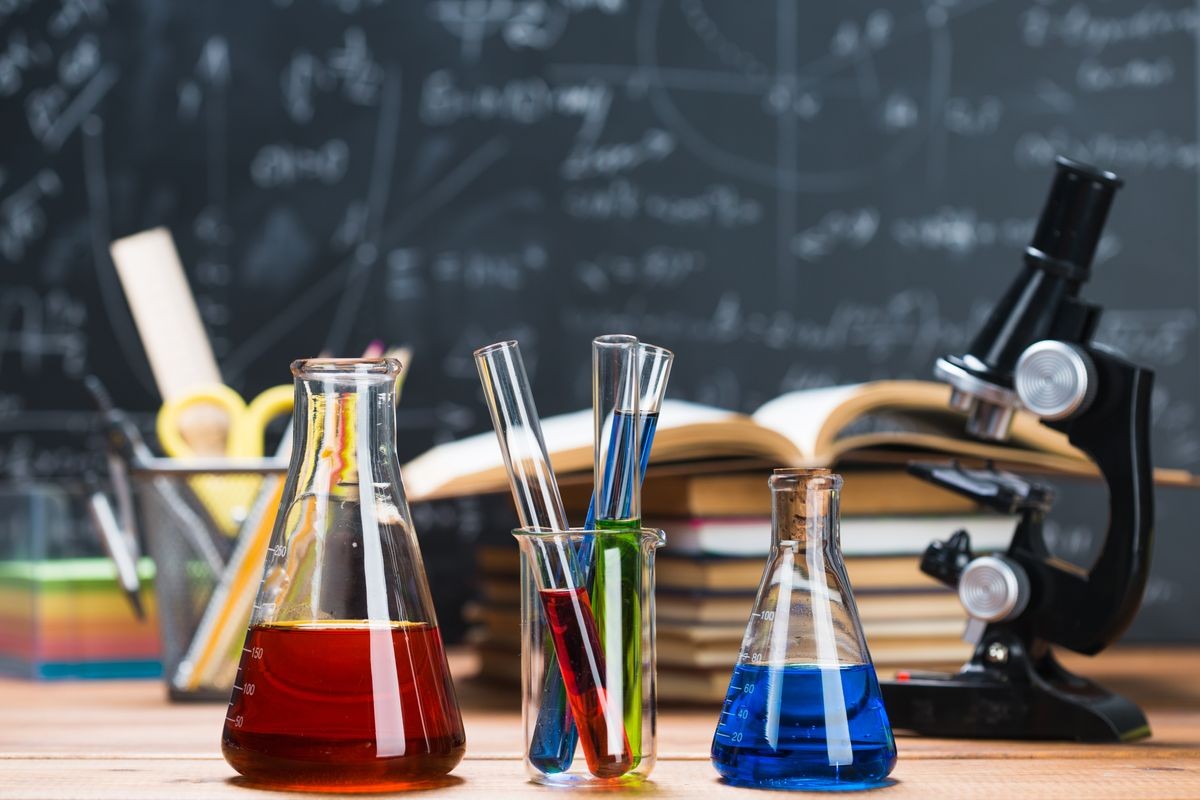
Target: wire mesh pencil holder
(587, 600)
(192, 551)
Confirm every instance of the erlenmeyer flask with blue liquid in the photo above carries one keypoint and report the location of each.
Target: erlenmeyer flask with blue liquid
(804, 709)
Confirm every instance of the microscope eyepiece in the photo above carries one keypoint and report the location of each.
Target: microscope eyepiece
(1041, 303)
(1073, 219)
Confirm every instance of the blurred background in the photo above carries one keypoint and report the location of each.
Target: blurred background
(787, 195)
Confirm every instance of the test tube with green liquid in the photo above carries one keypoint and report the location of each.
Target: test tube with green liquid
(554, 737)
(615, 578)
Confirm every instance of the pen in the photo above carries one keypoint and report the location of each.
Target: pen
(101, 513)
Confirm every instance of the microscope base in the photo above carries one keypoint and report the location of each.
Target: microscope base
(1018, 700)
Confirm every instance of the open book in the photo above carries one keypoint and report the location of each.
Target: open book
(881, 421)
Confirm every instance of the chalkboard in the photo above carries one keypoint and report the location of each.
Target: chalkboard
(787, 194)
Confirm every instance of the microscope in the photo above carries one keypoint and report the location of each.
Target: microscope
(1036, 353)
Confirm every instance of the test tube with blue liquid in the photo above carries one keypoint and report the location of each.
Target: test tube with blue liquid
(553, 745)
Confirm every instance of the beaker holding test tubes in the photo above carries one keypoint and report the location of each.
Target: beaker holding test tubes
(619, 433)
(603, 677)
(587, 595)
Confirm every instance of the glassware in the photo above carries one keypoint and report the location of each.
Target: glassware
(343, 682)
(539, 507)
(615, 399)
(654, 369)
(519, 431)
(804, 708)
(553, 744)
(616, 396)
(557, 606)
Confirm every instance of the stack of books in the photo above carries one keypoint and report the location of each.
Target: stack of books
(718, 531)
(706, 487)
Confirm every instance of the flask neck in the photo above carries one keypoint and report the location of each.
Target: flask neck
(806, 508)
(346, 433)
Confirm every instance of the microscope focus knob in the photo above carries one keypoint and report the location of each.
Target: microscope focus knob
(1054, 379)
(993, 589)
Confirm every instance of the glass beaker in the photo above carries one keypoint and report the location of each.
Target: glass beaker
(803, 709)
(593, 660)
(343, 681)
(553, 746)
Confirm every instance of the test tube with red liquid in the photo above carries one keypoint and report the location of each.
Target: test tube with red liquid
(581, 660)
(550, 556)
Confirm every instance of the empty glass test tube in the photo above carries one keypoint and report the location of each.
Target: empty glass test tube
(519, 432)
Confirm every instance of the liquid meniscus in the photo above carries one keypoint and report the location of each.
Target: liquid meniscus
(581, 661)
(781, 726)
(343, 705)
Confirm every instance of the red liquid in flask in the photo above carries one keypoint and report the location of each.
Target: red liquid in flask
(581, 660)
(343, 704)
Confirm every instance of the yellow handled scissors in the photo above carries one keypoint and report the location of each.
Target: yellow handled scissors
(187, 427)
(247, 424)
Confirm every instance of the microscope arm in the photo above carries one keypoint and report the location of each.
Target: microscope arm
(1092, 610)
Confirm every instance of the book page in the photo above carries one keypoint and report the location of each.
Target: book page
(679, 413)
(568, 441)
(479, 454)
(800, 416)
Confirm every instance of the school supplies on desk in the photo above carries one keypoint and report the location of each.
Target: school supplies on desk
(119, 549)
(169, 325)
(216, 646)
(67, 618)
(227, 499)
(247, 421)
(62, 613)
(165, 313)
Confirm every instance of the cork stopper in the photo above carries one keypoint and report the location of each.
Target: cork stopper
(805, 507)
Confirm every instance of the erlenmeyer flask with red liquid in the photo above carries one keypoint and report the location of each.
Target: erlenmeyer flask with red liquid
(343, 682)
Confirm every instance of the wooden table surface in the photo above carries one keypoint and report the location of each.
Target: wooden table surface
(123, 740)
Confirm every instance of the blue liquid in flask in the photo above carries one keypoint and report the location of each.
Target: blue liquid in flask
(777, 729)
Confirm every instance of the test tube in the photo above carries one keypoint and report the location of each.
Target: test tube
(554, 734)
(614, 585)
(654, 370)
(556, 572)
(615, 396)
(519, 431)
